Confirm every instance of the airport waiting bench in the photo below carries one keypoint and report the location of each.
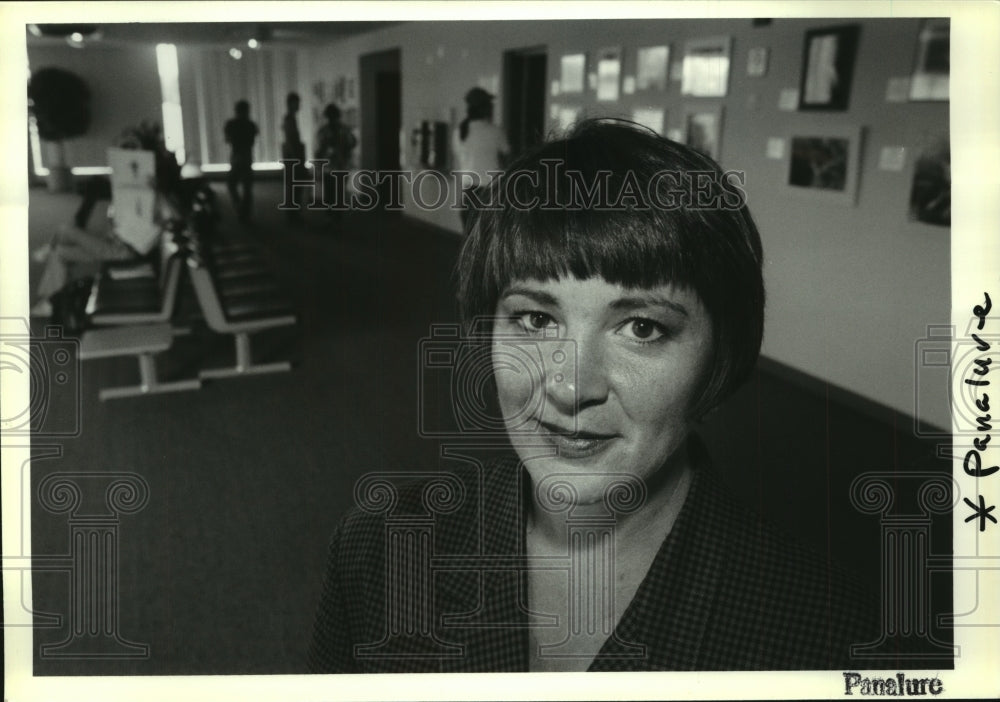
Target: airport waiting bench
(136, 293)
(239, 300)
(141, 341)
(130, 312)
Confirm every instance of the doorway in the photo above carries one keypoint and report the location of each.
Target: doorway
(381, 113)
(524, 76)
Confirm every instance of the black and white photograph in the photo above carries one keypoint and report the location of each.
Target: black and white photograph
(703, 129)
(828, 67)
(609, 69)
(818, 162)
(651, 67)
(930, 196)
(824, 164)
(572, 73)
(342, 341)
(931, 72)
(705, 71)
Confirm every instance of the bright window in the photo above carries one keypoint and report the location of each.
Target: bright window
(170, 90)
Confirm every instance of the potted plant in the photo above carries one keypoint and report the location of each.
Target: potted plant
(60, 103)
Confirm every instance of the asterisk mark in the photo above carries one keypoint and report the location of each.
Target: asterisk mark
(980, 512)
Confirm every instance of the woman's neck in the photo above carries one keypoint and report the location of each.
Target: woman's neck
(599, 577)
(666, 491)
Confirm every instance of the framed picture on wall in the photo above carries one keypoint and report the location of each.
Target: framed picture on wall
(930, 195)
(651, 67)
(824, 163)
(757, 62)
(703, 129)
(652, 117)
(933, 65)
(572, 69)
(828, 67)
(609, 71)
(705, 70)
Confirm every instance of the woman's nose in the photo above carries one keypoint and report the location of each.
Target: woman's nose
(575, 375)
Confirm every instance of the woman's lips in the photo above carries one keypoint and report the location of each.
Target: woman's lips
(578, 443)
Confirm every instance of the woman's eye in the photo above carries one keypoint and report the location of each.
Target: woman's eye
(645, 330)
(535, 321)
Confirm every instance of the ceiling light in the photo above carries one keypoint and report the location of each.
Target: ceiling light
(61, 31)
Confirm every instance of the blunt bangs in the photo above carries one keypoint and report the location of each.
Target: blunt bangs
(626, 205)
(545, 244)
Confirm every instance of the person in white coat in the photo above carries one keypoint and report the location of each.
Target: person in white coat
(479, 147)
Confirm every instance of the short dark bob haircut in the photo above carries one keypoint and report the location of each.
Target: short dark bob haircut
(668, 215)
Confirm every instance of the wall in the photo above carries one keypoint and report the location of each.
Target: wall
(852, 288)
(124, 87)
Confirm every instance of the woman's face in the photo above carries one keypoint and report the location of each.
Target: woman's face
(614, 374)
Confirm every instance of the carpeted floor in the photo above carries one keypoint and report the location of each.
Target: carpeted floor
(220, 571)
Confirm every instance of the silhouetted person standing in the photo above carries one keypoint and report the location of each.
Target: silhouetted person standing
(240, 135)
(334, 144)
(292, 148)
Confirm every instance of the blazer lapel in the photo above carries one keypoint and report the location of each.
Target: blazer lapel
(672, 607)
(492, 628)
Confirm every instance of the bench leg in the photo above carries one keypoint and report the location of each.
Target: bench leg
(244, 363)
(148, 382)
(258, 369)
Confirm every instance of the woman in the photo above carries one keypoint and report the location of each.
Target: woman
(335, 143)
(74, 252)
(622, 282)
(479, 146)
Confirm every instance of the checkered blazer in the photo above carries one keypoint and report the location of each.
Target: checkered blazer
(412, 589)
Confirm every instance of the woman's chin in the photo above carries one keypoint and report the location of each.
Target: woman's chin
(560, 482)
(596, 470)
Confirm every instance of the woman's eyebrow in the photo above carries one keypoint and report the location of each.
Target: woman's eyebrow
(538, 296)
(642, 301)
